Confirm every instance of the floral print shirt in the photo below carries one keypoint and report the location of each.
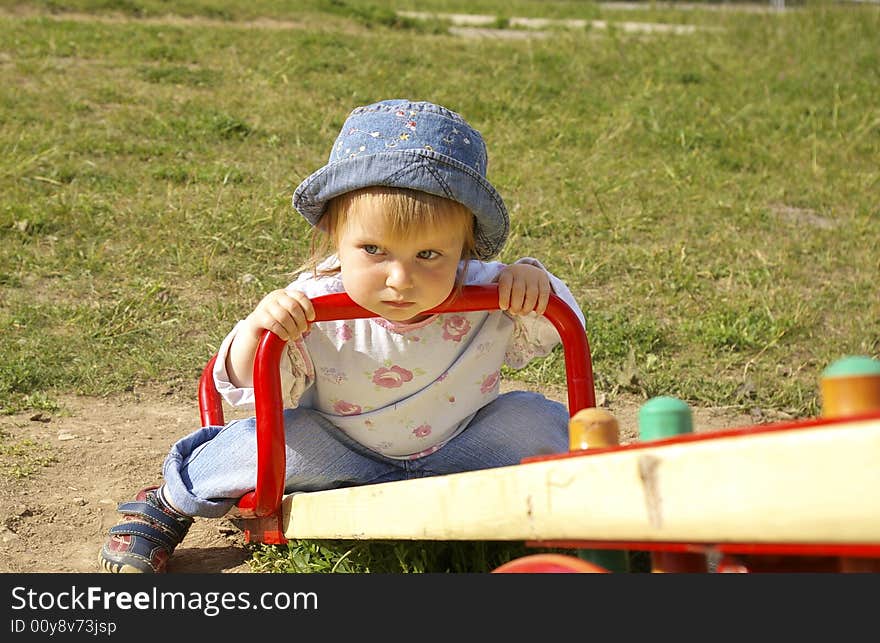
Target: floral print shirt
(404, 390)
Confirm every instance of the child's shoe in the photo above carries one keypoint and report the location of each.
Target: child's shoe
(146, 536)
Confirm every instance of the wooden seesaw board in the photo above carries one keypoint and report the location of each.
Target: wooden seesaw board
(815, 481)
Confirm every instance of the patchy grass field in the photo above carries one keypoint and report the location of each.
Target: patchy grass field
(711, 198)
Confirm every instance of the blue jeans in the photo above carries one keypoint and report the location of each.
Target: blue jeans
(209, 470)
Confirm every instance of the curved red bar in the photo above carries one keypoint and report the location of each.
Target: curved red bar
(271, 462)
(210, 402)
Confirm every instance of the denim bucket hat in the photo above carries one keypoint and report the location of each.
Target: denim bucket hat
(417, 145)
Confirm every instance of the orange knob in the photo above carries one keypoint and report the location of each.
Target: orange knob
(592, 428)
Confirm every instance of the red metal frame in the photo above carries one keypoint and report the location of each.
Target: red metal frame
(210, 402)
(262, 506)
(856, 550)
(264, 501)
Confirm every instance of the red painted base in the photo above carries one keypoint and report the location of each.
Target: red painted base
(268, 530)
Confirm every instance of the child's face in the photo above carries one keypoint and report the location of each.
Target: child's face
(397, 278)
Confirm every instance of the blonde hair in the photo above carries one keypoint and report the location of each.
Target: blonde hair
(406, 212)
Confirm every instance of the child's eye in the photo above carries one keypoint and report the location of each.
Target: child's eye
(370, 249)
(428, 254)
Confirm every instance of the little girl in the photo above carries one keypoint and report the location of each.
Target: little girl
(406, 215)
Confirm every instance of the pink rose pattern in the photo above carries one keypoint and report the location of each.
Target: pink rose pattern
(422, 431)
(342, 407)
(455, 327)
(489, 382)
(393, 377)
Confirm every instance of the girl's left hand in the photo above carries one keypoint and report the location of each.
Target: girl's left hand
(522, 289)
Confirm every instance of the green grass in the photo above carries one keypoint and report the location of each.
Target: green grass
(710, 199)
(403, 557)
(22, 458)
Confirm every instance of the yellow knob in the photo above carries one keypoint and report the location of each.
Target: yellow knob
(592, 428)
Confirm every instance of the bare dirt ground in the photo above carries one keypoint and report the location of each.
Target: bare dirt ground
(108, 448)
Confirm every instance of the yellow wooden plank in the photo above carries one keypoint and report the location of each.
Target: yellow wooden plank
(816, 484)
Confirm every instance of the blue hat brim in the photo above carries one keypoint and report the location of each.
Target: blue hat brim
(415, 169)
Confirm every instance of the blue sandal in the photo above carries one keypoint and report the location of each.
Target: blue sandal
(145, 538)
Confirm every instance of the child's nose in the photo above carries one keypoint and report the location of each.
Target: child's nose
(399, 276)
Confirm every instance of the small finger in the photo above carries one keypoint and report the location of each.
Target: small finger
(305, 304)
(284, 318)
(504, 282)
(543, 297)
(530, 299)
(277, 327)
(517, 297)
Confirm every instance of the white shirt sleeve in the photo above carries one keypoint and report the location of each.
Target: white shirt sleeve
(297, 370)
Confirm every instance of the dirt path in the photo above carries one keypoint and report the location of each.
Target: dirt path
(108, 448)
(464, 25)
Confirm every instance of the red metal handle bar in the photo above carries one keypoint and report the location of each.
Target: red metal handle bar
(210, 402)
(265, 499)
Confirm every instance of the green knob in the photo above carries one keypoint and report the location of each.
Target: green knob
(853, 366)
(664, 417)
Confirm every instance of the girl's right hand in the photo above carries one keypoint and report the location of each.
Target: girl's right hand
(285, 313)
